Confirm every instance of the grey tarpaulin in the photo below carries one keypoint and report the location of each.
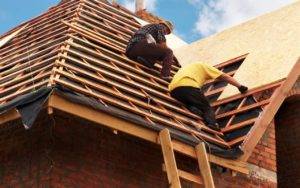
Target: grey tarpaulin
(28, 105)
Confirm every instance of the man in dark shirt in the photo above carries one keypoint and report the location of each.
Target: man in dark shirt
(148, 44)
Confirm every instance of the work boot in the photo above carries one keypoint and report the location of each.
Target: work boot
(243, 89)
(208, 122)
(145, 62)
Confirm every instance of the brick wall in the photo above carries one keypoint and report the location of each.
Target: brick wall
(90, 156)
(75, 153)
(288, 145)
(23, 159)
(264, 154)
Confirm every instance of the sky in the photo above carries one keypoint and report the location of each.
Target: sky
(193, 19)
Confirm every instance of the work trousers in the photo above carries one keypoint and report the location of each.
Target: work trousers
(153, 52)
(196, 102)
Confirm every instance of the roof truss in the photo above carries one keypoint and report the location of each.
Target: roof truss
(80, 45)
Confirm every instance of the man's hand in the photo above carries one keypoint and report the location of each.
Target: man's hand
(232, 81)
(243, 89)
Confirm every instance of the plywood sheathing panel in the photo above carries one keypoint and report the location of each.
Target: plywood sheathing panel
(272, 41)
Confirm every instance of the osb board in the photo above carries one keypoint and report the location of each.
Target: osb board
(272, 41)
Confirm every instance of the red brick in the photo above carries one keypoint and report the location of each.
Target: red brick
(78, 153)
(265, 154)
(271, 151)
(287, 146)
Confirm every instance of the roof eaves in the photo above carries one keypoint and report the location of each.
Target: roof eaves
(59, 102)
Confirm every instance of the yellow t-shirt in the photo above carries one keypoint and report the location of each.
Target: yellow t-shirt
(194, 75)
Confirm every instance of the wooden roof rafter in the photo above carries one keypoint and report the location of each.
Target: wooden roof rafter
(27, 61)
(83, 49)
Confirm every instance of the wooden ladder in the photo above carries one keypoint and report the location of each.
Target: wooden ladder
(171, 168)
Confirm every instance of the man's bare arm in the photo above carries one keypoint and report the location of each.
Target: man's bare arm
(234, 82)
(229, 79)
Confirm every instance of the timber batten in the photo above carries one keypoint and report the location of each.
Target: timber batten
(79, 45)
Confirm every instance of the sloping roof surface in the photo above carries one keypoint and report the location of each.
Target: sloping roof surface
(272, 41)
(80, 46)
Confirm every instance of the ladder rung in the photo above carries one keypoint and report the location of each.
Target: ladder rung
(187, 176)
(170, 166)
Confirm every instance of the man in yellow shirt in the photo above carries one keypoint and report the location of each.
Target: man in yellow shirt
(186, 88)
